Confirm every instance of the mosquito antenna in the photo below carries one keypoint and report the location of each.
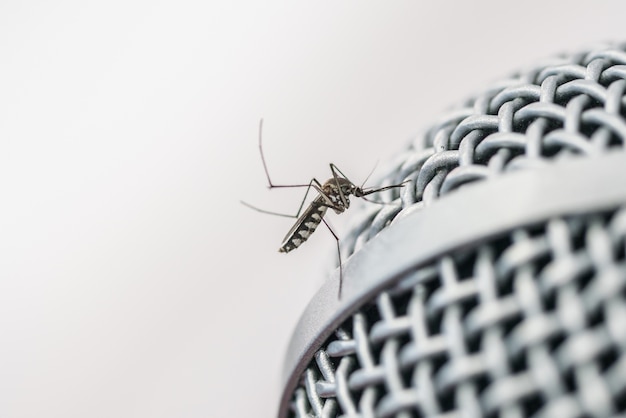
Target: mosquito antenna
(368, 176)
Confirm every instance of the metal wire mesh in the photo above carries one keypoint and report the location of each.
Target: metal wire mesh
(529, 323)
(571, 106)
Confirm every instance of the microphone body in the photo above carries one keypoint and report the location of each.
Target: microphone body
(493, 284)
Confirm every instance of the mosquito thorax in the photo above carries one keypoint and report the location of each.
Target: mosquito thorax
(338, 190)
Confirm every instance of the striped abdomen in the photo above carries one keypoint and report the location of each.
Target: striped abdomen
(304, 226)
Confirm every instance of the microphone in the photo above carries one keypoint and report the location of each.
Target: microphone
(494, 282)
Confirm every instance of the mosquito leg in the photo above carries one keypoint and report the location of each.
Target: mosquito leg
(267, 173)
(339, 255)
(334, 169)
(312, 184)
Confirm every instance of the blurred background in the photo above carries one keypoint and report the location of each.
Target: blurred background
(132, 281)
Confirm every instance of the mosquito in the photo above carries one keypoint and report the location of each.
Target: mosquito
(333, 194)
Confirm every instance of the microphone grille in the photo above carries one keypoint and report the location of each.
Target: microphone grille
(499, 288)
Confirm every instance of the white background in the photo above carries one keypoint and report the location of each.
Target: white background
(132, 282)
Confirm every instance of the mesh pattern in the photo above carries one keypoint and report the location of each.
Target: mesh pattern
(566, 107)
(532, 323)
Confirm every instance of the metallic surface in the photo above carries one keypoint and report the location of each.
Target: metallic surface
(495, 284)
